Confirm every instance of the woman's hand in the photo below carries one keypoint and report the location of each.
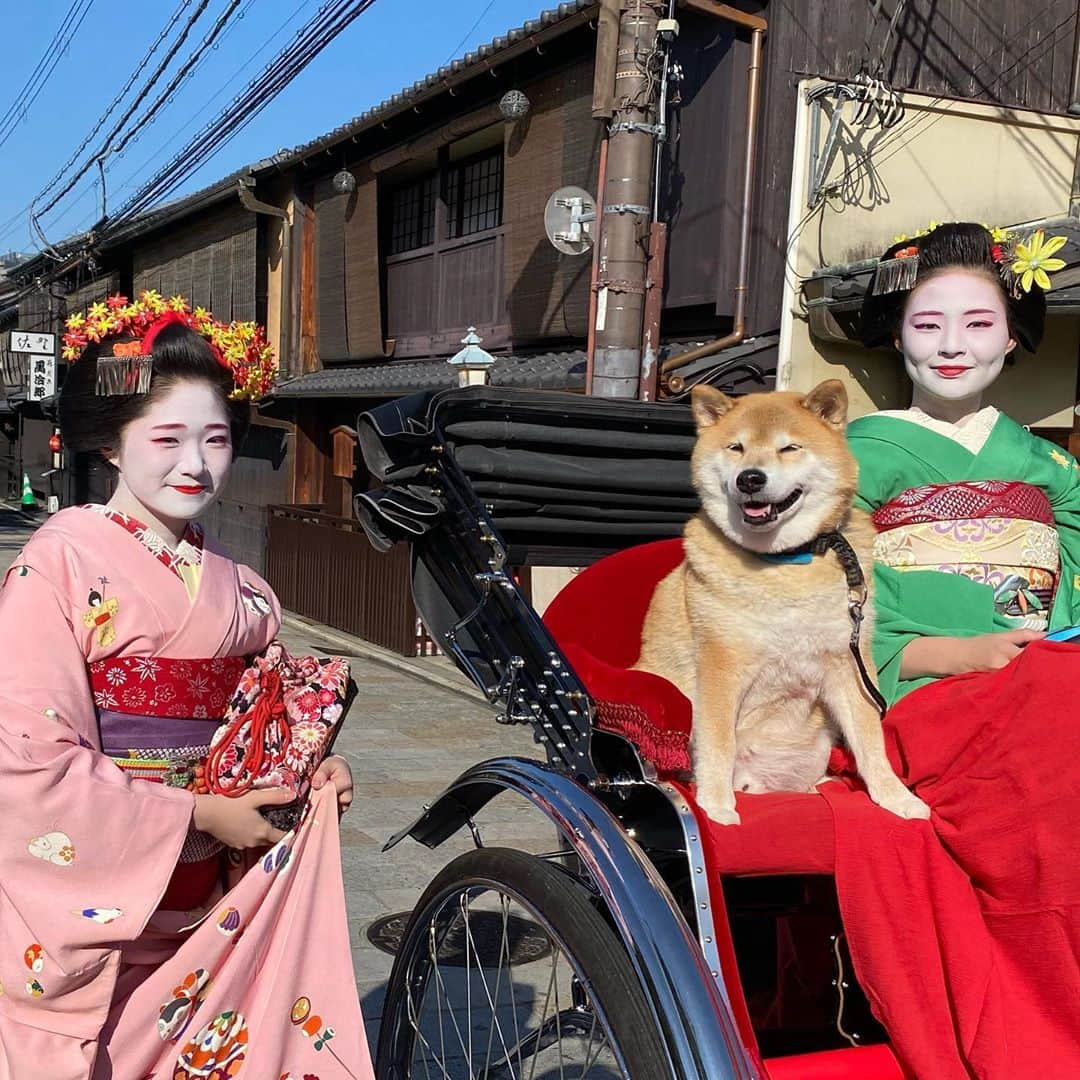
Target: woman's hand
(237, 822)
(335, 770)
(941, 656)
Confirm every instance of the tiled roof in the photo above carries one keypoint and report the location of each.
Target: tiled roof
(447, 72)
(546, 371)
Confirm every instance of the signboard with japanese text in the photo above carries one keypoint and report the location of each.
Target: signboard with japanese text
(41, 380)
(25, 341)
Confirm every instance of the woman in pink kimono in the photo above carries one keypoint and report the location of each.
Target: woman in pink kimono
(124, 952)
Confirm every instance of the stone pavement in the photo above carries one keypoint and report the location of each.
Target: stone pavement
(413, 728)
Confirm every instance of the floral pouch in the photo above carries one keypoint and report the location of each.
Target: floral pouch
(281, 722)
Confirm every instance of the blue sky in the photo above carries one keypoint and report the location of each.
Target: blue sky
(392, 44)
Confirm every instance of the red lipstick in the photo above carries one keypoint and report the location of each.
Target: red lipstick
(951, 372)
(189, 489)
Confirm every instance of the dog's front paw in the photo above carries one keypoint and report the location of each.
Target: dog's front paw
(901, 802)
(718, 809)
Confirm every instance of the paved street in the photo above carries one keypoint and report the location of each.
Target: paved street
(405, 739)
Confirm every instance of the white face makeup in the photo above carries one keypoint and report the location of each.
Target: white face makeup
(954, 337)
(174, 459)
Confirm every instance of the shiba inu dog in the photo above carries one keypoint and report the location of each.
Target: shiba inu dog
(756, 633)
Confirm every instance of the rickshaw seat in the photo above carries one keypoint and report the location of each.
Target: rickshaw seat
(597, 620)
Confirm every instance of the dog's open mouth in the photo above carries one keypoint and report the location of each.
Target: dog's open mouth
(765, 513)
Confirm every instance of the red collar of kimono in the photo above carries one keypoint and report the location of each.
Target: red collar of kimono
(188, 553)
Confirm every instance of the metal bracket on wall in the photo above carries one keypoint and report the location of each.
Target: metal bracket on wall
(626, 208)
(621, 285)
(656, 130)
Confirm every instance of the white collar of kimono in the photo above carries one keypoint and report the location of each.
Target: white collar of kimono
(971, 432)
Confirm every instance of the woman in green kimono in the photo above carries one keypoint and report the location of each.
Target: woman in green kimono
(966, 930)
(979, 520)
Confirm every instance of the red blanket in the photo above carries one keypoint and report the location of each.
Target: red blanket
(965, 931)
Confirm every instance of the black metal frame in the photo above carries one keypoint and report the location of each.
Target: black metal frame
(623, 826)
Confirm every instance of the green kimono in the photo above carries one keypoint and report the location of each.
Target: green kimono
(896, 454)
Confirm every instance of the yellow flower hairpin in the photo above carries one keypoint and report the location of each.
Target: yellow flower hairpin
(1035, 260)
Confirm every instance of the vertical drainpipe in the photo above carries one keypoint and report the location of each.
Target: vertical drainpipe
(627, 213)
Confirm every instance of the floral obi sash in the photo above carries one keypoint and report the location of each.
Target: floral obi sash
(157, 717)
(997, 533)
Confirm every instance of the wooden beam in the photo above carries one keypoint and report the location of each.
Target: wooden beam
(726, 11)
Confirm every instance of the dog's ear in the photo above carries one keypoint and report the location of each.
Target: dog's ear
(829, 401)
(708, 404)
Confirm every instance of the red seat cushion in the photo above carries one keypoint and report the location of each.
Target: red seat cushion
(782, 832)
(854, 1063)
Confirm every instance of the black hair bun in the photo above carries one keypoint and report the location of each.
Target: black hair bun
(962, 245)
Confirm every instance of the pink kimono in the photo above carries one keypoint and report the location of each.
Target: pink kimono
(98, 978)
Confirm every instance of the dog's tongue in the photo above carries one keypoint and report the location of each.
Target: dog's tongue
(756, 510)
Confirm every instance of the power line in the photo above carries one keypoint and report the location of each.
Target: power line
(472, 29)
(44, 68)
(330, 20)
(166, 95)
(130, 181)
(119, 125)
(135, 73)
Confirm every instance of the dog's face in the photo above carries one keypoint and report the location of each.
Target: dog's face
(773, 470)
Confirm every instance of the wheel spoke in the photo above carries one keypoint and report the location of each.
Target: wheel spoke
(440, 985)
(565, 1028)
(493, 1003)
(543, 1011)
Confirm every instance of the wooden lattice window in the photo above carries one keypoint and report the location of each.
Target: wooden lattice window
(412, 215)
(474, 195)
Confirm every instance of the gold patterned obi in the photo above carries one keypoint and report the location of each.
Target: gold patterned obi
(997, 533)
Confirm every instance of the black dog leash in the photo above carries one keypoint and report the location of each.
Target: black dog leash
(857, 594)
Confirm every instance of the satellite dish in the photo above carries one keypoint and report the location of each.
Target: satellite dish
(568, 219)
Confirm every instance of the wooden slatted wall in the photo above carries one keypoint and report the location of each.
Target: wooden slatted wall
(558, 144)
(347, 277)
(213, 261)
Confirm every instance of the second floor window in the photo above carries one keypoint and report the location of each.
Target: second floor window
(472, 199)
(412, 215)
(474, 196)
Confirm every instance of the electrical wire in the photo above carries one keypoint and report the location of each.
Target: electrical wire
(185, 69)
(44, 68)
(138, 170)
(135, 73)
(330, 20)
(143, 93)
(472, 30)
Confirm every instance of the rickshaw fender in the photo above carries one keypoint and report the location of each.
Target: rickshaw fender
(688, 1001)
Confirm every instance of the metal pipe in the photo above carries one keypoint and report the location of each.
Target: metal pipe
(256, 206)
(626, 206)
(758, 29)
(598, 228)
(654, 301)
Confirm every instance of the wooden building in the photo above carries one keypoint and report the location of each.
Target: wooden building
(370, 250)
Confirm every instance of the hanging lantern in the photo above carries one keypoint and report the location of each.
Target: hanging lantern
(55, 444)
(514, 105)
(344, 182)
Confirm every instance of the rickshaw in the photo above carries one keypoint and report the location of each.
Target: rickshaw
(647, 943)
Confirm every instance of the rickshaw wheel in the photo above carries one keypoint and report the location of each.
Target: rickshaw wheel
(507, 970)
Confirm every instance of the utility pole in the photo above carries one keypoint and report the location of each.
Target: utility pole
(627, 204)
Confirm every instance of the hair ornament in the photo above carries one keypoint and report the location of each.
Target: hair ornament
(240, 347)
(1020, 262)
